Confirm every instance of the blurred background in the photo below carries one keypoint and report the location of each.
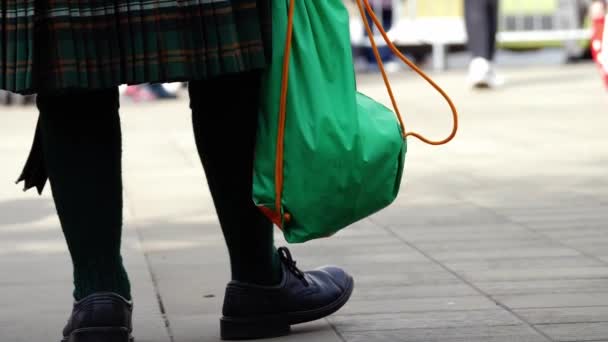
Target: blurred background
(432, 31)
(433, 34)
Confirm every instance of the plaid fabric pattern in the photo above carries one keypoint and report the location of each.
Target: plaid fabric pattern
(60, 44)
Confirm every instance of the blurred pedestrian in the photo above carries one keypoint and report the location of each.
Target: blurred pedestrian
(599, 50)
(481, 21)
(148, 92)
(160, 92)
(74, 55)
(138, 93)
(384, 11)
(8, 98)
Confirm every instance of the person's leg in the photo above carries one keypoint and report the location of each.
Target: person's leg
(492, 14)
(387, 22)
(481, 17)
(219, 126)
(477, 26)
(82, 147)
(369, 52)
(268, 292)
(160, 92)
(386, 55)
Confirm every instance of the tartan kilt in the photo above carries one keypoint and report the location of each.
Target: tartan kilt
(48, 45)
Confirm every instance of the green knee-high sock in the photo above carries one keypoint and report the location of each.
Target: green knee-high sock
(82, 147)
(225, 133)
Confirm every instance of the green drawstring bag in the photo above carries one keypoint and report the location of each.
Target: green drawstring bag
(326, 155)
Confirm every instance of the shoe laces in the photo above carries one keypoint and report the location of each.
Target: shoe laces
(288, 261)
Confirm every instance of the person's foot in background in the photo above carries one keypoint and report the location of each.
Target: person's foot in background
(8, 99)
(29, 100)
(483, 75)
(160, 92)
(5, 98)
(139, 93)
(481, 23)
(392, 66)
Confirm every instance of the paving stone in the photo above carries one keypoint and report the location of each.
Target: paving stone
(398, 305)
(552, 286)
(514, 333)
(427, 320)
(555, 300)
(565, 315)
(576, 332)
(406, 279)
(381, 269)
(205, 328)
(462, 233)
(537, 273)
(502, 253)
(414, 291)
(509, 264)
(587, 231)
(488, 245)
(394, 217)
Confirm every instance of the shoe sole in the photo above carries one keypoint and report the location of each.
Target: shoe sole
(99, 335)
(278, 325)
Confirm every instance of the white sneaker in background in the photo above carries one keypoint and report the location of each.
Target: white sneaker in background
(495, 80)
(482, 74)
(172, 88)
(392, 67)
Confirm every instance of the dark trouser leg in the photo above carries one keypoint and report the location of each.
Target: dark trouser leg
(481, 17)
(82, 147)
(225, 134)
(386, 18)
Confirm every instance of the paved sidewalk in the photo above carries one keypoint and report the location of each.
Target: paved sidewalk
(500, 236)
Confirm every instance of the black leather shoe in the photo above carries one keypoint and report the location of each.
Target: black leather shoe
(254, 311)
(100, 317)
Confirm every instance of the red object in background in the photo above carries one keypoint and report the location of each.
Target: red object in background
(599, 53)
(139, 93)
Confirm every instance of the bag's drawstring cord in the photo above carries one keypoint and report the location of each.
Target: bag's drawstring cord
(279, 216)
(413, 66)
